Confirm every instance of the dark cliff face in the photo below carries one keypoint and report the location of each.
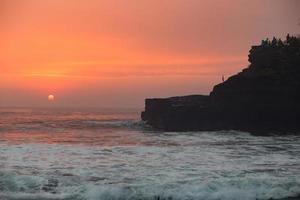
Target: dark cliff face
(264, 96)
(176, 113)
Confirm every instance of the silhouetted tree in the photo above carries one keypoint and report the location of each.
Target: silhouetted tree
(280, 43)
(276, 54)
(288, 38)
(274, 42)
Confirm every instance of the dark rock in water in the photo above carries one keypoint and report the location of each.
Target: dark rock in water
(265, 96)
(179, 113)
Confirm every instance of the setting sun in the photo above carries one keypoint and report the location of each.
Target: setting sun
(150, 99)
(51, 97)
(97, 52)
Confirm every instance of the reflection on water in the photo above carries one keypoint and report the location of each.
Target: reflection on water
(104, 155)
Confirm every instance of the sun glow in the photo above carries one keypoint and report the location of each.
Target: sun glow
(51, 97)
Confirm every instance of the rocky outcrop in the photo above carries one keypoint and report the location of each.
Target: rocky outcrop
(177, 113)
(263, 97)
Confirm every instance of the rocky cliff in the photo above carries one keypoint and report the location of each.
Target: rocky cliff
(263, 97)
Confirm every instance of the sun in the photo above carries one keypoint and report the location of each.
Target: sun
(51, 97)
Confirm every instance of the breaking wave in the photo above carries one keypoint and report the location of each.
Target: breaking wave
(70, 188)
(46, 155)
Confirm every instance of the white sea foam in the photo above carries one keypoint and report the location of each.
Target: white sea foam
(248, 189)
(62, 157)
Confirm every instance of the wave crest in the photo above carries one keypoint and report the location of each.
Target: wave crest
(14, 187)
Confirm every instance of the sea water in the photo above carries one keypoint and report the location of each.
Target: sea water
(99, 154)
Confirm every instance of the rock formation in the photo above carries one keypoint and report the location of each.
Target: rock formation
(263, 97)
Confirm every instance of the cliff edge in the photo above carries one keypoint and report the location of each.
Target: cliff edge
(263, 97)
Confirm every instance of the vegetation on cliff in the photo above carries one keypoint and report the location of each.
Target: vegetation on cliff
(265, 96)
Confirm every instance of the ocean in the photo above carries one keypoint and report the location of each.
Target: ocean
(96, 154)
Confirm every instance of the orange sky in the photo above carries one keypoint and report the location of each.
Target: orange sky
(115, 53)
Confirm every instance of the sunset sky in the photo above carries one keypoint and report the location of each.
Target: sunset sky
(116, 53)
